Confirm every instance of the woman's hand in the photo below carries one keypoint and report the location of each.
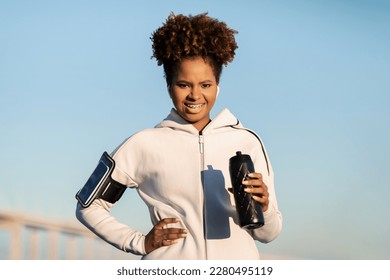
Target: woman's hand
(259, 190)
(160, 235)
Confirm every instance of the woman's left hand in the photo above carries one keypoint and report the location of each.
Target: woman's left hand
(259, 190)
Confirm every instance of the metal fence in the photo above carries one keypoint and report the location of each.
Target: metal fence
(31, 237)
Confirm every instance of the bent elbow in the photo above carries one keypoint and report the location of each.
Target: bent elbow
(79, 213)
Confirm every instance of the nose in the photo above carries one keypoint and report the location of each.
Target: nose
(195, 93)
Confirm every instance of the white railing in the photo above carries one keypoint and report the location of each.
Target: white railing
(32, 237)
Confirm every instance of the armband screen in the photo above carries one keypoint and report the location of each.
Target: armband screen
(100, 184)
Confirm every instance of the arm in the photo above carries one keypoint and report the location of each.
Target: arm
(272, 226)
(264, 193)
(98, 219)
(103, 191)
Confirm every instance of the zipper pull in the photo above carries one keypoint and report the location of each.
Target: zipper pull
(201, 143)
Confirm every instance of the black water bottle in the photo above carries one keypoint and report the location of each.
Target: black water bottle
(250, 213)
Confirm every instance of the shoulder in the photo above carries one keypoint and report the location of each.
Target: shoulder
(253, 139)
(143, 138)
(248, 133)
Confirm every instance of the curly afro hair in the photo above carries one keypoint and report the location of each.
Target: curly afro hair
(182, 37)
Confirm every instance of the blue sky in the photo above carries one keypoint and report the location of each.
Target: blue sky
(311, 77)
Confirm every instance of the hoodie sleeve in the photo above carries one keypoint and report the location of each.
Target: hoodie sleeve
(272, 217)
(97, 217)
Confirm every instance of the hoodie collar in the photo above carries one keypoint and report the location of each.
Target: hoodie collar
(224, 119)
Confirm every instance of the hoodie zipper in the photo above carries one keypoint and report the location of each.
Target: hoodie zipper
(201, 151)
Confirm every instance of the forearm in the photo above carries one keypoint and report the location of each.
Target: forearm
(272, 226)
(98, 219)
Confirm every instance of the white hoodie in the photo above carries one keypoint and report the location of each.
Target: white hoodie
(183, 173)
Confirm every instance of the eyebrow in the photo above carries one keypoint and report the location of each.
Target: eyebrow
(187, 82)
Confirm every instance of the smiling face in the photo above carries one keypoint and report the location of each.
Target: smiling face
(193, 91)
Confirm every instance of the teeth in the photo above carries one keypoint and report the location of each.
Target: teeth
(194, 106)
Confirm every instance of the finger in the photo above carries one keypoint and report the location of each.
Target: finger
(169, 237)
(255, 175)
(158, 239)
(254, 183)
(161, 224)
(174, 231)
(168, 242)
(260, 195)
(253, 179)
(263, 195)
(262, 188)
(174, 236)
(256, 191)
(163, 233)
(264, 202)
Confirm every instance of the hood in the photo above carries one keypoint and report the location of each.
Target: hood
(224, 119)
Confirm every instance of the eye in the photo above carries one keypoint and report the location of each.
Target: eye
(206, 85)
(182, 85)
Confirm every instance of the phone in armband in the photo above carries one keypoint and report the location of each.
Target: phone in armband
(100, 184)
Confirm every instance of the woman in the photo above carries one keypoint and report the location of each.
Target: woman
(180, 167)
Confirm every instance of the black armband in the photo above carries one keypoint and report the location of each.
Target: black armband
(100, 184)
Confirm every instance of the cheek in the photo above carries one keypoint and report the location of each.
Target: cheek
(177, 102)
(172, 95)
(211, 100)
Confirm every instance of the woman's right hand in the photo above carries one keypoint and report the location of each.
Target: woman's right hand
(161, 236)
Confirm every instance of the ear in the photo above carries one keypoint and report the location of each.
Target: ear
(217, 90)
(169, 91)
